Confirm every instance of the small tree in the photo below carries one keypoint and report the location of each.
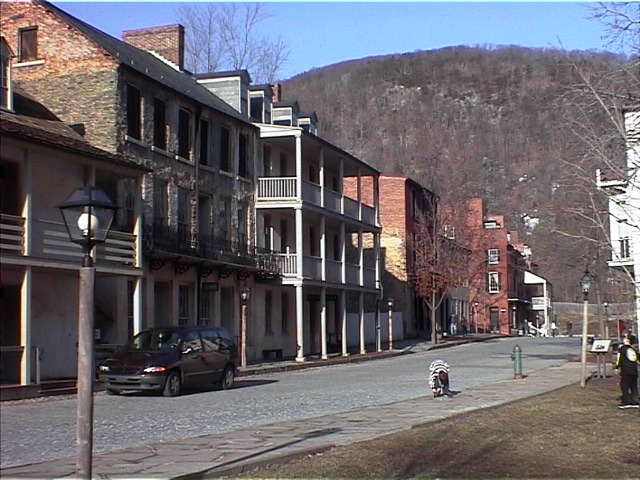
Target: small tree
(224, 36)
(439, 263)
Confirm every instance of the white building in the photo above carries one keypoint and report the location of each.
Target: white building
(624, 207)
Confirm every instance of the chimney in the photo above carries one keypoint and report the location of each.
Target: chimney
(276, 89)
(166, 41)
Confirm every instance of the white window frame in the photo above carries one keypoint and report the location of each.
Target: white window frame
(493, 282)
(493, 256)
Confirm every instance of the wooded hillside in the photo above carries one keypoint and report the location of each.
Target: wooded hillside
(494, 122)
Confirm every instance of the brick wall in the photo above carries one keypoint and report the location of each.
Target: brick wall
(167, 40)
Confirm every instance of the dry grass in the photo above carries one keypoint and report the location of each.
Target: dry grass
(569, 433)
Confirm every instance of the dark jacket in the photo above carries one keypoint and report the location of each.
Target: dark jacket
(627, 361)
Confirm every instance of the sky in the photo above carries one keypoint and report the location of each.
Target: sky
(323, 33)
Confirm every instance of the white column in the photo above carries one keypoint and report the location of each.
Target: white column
(323, 248)
(343, 321)
(299, 244)
(138, 299)
(321, 163)
(343, 253)
(299, 167)
(360, 259)
(299, 324)
(323, 322)
(26, 294)
(361, 316)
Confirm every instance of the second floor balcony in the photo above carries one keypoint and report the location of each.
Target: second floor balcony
(174, 241)
(273, 190)
(46, 240)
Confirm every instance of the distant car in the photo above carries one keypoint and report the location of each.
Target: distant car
(170, 359)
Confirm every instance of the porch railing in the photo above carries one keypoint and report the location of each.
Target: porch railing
(11, 234)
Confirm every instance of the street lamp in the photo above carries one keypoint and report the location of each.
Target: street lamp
(390, 306)
(245, 292)
(585, 286)
(87, 214)
(475, 316)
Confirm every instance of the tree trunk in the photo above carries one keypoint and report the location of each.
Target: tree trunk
(434, 331)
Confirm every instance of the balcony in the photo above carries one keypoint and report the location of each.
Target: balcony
(165, 239)
(312, 270)
(50, 241)
(284, 189)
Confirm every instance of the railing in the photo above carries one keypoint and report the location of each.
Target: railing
(334, 271)
(11, 364)
(281, 188)
(288, 264)
(284, 188)
(170, 239)
(312, 267)
(11, 234)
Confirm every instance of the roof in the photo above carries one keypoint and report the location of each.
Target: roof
(147, 64)
(33, 122)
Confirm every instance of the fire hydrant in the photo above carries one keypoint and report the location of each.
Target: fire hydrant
(516, 356)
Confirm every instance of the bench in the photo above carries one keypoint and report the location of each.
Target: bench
(272, 354)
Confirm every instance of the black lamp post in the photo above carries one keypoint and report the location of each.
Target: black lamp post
(88, 214)
(585, 286)
(390, 307)
(605, 304)
(475, 316)
(245, 292)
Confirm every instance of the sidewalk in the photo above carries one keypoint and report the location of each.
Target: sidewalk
(242, 449)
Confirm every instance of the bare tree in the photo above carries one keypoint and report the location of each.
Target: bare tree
(439, 262)
(224, 36)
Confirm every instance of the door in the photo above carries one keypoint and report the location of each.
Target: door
(162, 304)
(192, 361)
(10, 333)
(494, 319)
(215, 353)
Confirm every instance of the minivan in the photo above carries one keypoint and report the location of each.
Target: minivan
(170, 359)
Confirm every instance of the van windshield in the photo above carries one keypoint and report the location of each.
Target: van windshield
(154, 341)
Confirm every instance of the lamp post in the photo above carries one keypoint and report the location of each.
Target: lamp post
(585, 286)
(475, 316)
(87, 214)
(245, 292)
(390, 306)
(605, 304)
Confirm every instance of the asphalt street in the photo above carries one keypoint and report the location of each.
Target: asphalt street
(34, 431)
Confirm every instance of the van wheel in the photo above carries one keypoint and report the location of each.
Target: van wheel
(172, 385)
(111, 391)
(226, 382)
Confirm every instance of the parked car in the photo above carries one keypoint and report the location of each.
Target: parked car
(170, 359)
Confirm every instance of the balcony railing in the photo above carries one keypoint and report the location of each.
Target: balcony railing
(11, 234)
(312, 269)
(272, 189)
(50, 240)
(169, 239)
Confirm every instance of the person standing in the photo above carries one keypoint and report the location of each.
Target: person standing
(627, 367)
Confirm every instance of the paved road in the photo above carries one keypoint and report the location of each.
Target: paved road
(36, 431)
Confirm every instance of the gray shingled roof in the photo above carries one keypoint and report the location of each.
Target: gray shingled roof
(147, 64)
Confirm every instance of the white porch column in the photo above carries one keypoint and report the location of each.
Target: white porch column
(359, 193)
(138, 299)
(323, 322)
(323, 248)
(363, 350)
(25, 327)
(343, 253)
(343, 321)
(299, 244)
(360, 259)
(321, 173)
(299, 167)
(299, 324)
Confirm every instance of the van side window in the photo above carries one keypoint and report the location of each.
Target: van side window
(192, 340)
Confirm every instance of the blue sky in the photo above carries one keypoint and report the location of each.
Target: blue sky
(324, 33)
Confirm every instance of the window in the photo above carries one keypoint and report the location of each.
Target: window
(204, 143)
(268, 314)
(28, 44)
(184, 299)
(160, 202)
(450, 232)
(493, 256)
(225, 149)
(5, 78)
(267, 167)
(268, 233)
(625, 248)
(205, 308)
(283, 164)
(184, 216)
(242, 235)
(257, 107)
(314, 250)
(337, 251)
(192, 341)
(283, 236)
(494, 282)
(159, 124)
(313, 174)
(134, 112)
(184, 134)
(243, 157)
(224, 219)
(284, 300)
(128, 211)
